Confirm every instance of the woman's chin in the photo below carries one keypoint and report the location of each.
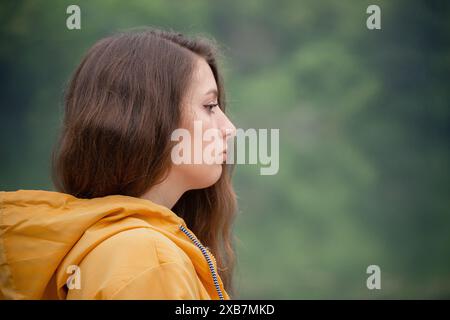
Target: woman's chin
(210, 176)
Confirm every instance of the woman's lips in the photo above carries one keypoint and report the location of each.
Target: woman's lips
(224, 155)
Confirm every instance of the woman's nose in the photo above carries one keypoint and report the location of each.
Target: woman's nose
(227, 128)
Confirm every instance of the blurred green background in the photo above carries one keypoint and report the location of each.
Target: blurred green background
(364, 130)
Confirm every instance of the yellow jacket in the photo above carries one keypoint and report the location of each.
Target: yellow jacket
(56, 246)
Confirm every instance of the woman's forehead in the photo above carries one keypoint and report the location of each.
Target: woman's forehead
(204, 83)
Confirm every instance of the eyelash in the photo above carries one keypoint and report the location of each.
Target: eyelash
(211, 106)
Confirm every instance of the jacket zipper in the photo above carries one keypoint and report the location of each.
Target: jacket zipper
(208, 259)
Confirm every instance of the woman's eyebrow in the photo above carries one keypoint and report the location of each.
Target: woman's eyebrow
(213, 91)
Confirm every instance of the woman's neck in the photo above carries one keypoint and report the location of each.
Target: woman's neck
(166, 193)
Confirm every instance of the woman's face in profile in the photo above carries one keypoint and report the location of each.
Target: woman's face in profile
(208, 127)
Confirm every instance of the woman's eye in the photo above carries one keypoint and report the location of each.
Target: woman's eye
(211, 106)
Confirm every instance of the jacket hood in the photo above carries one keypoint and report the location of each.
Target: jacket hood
(44, 232)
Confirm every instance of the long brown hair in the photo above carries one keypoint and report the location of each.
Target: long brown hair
(121, 106)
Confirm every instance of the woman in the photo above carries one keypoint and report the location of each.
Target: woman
(126, 221)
